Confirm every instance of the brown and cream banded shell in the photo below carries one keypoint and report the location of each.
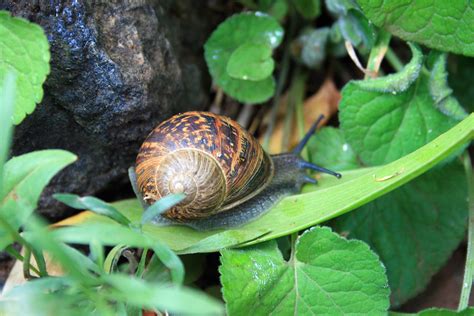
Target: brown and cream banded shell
(210, 158)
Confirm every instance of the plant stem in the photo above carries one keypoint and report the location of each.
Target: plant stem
(293, 238)
(26, 264)
(142, 263)
(15, 254)
(469, 268)
(393, 59)
(377, 54)
(295, 106)
(300, 79)
(280, 84)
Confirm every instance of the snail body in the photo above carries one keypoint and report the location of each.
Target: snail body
(226, 176)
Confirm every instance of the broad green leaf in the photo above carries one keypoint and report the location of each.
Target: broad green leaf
(340, 7)
(330, 149)
(256, 28)
(441, 92)
(194, 265)
(160, 206)
(382, 127)
(7, 99)
(24, 178)
(258, 281)
(356, 29)
(309, 9)
(351, 23)
(329, 199)
(173, 299)
(251, 61)
(460, 79)
(24, 50)
(414, 229)
(310, 47)
(91, 203)
(443, 25)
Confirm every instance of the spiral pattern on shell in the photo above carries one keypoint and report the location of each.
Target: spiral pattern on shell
(210, 158)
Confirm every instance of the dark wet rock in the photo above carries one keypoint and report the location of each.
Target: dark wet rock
(117, 69)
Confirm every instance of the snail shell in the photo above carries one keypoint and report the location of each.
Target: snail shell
(210, 158)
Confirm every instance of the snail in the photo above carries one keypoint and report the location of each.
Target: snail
(226, 176)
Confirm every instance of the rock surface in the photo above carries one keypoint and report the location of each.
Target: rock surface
(117, 69)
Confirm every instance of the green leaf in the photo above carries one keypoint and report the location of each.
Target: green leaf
(441, 92)
(431, 211)
(276, 8)
(330, 149)
(351, 24)
(404, 210)
(194, 265)
(173, 299)
(258, 281)
(382, 127)
(399, 81)
(113, 234)
(443, 25)
(160, 206)
(309, 9)
(56, 295)
(317, 204)
(251, 61)
(356, 29)
(93, 204)
(240, 29)
(39, 236)
(25, 51)
(24, 178)
(112, 258)
(340, 7)
(7, 99)
(312, 47)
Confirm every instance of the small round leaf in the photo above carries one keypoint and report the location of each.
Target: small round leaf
(248, 27)
(251, 61)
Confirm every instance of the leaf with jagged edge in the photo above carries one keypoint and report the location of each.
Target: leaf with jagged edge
(443, 25)
(327, 274)
(25, 51)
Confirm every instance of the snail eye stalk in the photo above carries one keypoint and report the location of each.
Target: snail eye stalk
(306, 164)
(302, 143)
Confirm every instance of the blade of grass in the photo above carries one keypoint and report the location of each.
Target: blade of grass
(469, 268)
(142, 263)
(92, 203)
(161, 206)
(377, 53)
(113, 257)
(330, 198)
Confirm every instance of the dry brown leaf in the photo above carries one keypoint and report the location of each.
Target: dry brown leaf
(325, 101)
(274, 146)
